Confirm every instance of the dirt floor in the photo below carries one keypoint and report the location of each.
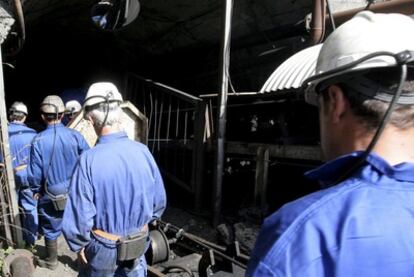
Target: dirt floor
(195, 224)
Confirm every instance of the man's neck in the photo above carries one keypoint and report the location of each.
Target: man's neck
(107, 130)
(53, 122)
(17, 122)
(394, 145)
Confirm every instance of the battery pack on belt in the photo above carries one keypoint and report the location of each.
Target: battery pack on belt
(129, 247)
(58, 201)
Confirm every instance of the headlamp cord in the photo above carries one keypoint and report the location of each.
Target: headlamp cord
(53, 149)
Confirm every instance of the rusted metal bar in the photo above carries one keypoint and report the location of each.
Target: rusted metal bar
(176, 92)
(318, 21)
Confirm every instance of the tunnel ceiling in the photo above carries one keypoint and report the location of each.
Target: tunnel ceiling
(175, 41)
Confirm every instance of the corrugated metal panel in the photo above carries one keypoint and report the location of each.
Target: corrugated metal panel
(292, 72)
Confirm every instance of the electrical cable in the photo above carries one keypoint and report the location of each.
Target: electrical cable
(53, 148)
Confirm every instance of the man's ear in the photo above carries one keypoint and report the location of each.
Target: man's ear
(89, 118)
(338, 103)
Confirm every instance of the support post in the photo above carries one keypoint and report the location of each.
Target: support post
(198, 153)
(222, 110)
(10, 187)
(262, 171)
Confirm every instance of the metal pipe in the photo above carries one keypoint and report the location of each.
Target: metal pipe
(328, 5)
(318, 21)
(22, 29)
(395, 6)
(222, 110)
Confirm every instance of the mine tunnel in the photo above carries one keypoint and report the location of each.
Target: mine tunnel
(64, 52)
(167, 63)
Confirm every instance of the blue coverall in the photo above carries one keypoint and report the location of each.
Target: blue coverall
(20, 139)
(360, 227)
(117, 188)
(53, 156)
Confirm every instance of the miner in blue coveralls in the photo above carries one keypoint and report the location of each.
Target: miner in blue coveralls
(73, 108)
(362, 223)
(116, 190)
(53, 156)
(20, 140)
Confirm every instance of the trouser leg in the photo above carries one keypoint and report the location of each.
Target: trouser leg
(29, 217)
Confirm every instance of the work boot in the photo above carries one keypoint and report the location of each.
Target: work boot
(51, 261)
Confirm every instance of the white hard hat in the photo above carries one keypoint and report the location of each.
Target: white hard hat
(102, 92)
(366, 33)
(73, 106)
(18, 107)
(52, 104)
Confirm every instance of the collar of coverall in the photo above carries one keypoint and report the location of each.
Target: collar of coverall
(332, 170)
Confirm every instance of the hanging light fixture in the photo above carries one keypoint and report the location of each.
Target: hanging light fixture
(111, 15)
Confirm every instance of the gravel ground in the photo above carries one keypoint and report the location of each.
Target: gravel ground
(67, 261)
(191, 223)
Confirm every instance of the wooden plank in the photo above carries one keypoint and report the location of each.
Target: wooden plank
(299, 152)
(262, 169)
(176, 180)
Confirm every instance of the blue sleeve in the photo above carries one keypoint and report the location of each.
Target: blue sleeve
(34, 168)
(80, 210)
(160, 197)
(82, 144)
(261, 269)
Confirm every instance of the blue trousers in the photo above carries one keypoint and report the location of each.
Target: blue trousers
(50, 220)
(102, 261)
(30, 219)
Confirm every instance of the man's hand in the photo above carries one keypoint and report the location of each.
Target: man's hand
(81, 257)
(36, 196)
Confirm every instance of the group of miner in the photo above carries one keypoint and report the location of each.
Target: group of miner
(360, 223)
(101, 198)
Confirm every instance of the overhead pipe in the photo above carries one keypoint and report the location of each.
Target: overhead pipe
(396, 6)
(318, 21)
(22, 28)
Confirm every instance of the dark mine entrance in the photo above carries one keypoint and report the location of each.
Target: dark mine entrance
(64, 53)
(54, 62)
(65, 60)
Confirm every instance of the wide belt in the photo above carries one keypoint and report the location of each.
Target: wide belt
(113, 237)
(20, 167)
